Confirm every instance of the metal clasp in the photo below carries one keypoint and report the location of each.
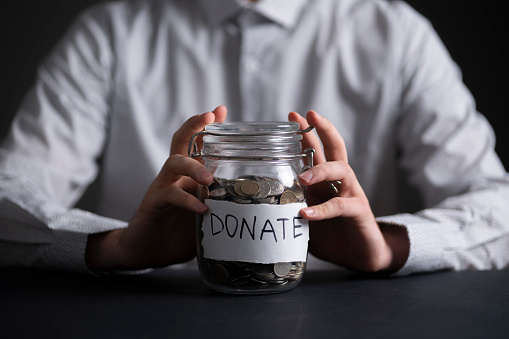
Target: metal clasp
(192, 150)
(310, 153)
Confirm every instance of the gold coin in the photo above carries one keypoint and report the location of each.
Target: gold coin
(238, 188)
(250, 187)
(288, 197)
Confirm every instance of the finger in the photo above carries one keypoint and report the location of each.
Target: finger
(178, 166)
(333, 171)
(333, 143)
(310, 139)
(335, 207)
(173, 196)
(220, 113)
(195, 124)
(219, 116)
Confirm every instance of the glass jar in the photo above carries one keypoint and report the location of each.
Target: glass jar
(253, 239)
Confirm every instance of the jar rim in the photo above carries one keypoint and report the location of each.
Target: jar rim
(253, 128)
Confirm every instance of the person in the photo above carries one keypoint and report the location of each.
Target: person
(422, 188)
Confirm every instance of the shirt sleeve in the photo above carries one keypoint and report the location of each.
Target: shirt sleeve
(447, 150)
(50, 154)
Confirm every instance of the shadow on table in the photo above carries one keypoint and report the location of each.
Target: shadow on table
(160, 281)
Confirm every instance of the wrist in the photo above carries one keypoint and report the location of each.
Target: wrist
(397, 244)
(102, 252)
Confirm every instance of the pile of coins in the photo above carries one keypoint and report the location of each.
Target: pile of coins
(253, 190)
(251, 276)
(244, 275)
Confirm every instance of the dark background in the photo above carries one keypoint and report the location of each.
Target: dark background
(473, 31)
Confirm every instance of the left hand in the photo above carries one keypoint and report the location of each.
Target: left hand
(343, 229)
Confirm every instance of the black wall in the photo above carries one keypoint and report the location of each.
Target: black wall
(473, 30)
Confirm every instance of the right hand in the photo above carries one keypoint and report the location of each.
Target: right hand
(161, 231)
(343, 228)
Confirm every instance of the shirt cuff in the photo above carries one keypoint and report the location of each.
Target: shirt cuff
(427, 244)
(66, 250)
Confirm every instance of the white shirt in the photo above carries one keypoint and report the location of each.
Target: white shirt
(128, 74)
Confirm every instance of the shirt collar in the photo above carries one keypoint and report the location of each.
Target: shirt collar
(283, 12)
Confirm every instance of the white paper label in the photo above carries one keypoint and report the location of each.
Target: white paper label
(258, 233)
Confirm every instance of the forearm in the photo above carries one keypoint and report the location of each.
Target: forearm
(38, 232)
(467, 231)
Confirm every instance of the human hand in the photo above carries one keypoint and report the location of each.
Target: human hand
(161, 231)
(343, 229)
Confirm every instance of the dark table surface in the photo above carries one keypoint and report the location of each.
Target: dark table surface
(327, 304)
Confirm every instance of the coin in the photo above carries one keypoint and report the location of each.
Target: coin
(231, 191)
(218, 192)
(218, 274)
(276, 188)
(250, 187)
(264, 190)
(263, 271)
(299, 192)
(219, 181)
(282, 268)
(238, 188)
(288, 197)
(240, 200)
(269, 200)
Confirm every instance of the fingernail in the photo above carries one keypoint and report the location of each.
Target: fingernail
(309, 211)
(203, 115)
(204, 174)
(308, 175)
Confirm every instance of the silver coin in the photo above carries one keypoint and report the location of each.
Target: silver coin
(264, 190)
(276, 188)
(281, 269)
(299, 192)
(242, 201)
(220, 181)
(269, 200)
(219, 192)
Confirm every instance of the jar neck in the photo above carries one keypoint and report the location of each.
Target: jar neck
(251, 147)
(252, 140)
